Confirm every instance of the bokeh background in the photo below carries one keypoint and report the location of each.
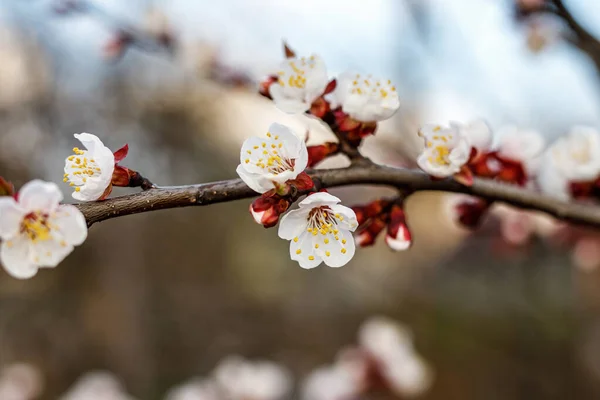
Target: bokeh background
(160, 297)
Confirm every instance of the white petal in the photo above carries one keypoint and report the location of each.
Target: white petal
(49, 253)
(340, 253)
(286, 104)
(14, 255)
(11, 216)
(461, 153)
(408, 375)
(436, 170)
(349, 221)
(479, 134)
(71, 224)
(91, 142)
(397, 243)
(319, 198)
(303, 251)
(293, 224)
(38, 195)
(254, 181)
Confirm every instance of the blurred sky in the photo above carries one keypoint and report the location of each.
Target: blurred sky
(469, 59)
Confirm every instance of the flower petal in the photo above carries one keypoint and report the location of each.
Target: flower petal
(285, 104)
(293, 224)
(256, 182)
(320, 198)
(340, 250)
(91, 142)
(49, 253)
(348, 220)
(14, 255)
(38, 195)
(11, 216)
(71, 224)
(303, 251)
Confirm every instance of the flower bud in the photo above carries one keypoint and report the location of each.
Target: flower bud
(266, 209)
(316, 154)
(367, 235)
(398, 236)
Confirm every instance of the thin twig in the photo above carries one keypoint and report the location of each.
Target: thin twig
(412, 180)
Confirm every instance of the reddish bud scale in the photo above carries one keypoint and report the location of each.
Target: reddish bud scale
(267, 209)
(316, 154)
(511, 171)
(265, 86)
(319, 108)
(470, 213)
(6, 188)
(369, 232)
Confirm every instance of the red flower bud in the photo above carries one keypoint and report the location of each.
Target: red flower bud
(471, 212)
(319, 107)
(266, 209)
(398, 236)
(316, 154)
(367, 235)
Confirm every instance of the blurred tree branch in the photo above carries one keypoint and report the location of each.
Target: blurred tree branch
(411, 180)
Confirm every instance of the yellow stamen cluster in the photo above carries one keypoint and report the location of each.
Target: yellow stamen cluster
(439, 145)
(36, 227)
(270, 158)
(294, 74)
(368, 86)
(83, 167)
(321, 220)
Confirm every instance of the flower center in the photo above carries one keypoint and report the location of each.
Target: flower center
(270, 157)
(370, 87)
(581, 155)
(82, 168)
(294, 75)
(35, 225)
(323, 220)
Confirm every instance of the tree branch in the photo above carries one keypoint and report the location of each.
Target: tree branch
(218, 192)
(582, 38)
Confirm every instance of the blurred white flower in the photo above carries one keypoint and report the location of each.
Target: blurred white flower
(98, 385)
(446, 150)
(90, 171)
(365, 98)
(478, 133)
(330, 383)
(572, 158)
(320, 231)
(265, 163)
(523, 146)
(195, 389)
(390, 345)
(20, 382)
(301, 81)
(36, 230)
(240, 379)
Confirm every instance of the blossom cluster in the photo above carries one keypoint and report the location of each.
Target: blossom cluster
(37, 231)
(320, 230)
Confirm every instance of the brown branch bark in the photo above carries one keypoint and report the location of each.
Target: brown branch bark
(412, 180)
(582, 38)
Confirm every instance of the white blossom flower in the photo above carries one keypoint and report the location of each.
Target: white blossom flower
(391, 345)
(524, 146)
(572, 158)
(20, 382)
(239, 379)
(265, 163)
(301, 81)
(98, 385)
(37, 231)
(446, 150)
(478, 133)
(365, 98)
(196, 389)
(330, 383)
(320, 231)
(89, 171)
